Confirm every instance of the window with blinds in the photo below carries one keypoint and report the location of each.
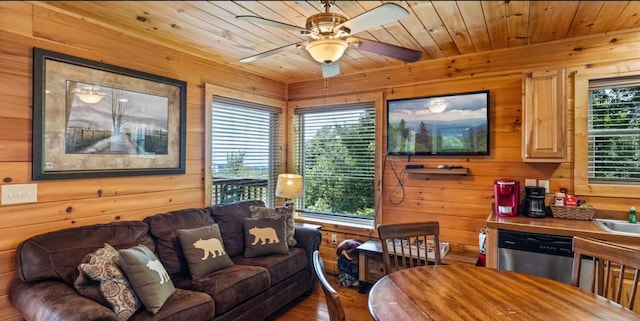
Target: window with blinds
(614, 131)
(335, 153)
(244, 150)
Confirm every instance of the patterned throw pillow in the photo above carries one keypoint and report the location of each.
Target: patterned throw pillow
(102, 266)
(265, 236)
(263, 212)
(149, 279)
(204, 250)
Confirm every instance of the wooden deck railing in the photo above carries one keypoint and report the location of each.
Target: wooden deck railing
(227, 190)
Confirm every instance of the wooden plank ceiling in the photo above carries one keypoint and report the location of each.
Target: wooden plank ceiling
(438, 28)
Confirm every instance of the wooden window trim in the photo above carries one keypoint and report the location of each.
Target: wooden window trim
(377, 98)
(211, 90)
(582, 76)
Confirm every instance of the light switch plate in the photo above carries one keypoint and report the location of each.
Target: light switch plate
(19, 194)
(544, 183)
(530, 182)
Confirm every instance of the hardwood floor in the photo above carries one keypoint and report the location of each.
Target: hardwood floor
(314, 307)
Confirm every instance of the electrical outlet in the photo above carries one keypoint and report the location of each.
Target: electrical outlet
(334, 239)
(544, 183)
(19, 194)
(530, 182)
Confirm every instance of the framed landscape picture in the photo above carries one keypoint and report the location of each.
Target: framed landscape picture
(91, 119)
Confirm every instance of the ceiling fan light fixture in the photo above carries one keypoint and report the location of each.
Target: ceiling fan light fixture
(90, 98)
(327, 50)
(437, 105)
(90, 95)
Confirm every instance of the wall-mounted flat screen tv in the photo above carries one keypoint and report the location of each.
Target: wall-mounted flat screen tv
(453, 124)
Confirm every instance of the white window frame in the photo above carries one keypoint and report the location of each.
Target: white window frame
(377, 100)
(582, 76)
(213, 90)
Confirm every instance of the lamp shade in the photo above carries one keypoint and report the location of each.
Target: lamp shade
(327, 50)
(289, 186)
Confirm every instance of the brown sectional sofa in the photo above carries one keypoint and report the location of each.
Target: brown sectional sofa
(251, 289)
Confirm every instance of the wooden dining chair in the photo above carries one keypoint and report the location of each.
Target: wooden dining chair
(608, 258)
(405, 238)
(334, 305)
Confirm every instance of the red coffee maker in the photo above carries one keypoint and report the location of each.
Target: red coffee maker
(507, 194)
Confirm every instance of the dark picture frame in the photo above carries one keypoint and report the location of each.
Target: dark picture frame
(92, 119)
(456, 124)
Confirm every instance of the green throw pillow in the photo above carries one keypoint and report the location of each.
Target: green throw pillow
(204, 250)
(102, 265)
(265, 236)
(149, 280)
(264, 212)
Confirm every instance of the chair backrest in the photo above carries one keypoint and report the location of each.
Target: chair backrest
(607, 258)
(408, 244)
(334, 305)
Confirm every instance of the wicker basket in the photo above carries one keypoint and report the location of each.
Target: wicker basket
(573, 213)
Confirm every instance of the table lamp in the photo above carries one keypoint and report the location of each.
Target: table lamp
(289, 186)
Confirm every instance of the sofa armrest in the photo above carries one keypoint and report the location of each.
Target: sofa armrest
(55, 301)
(309, 239)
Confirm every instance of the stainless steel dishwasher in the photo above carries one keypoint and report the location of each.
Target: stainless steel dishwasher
(549, 256)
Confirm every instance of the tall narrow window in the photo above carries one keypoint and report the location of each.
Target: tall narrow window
(614, 131)
(244, 150)
(335, 153)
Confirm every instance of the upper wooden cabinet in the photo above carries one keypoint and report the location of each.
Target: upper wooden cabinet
(544, 135)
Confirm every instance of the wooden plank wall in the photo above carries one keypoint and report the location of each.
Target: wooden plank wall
(462, 203)
(68, 203)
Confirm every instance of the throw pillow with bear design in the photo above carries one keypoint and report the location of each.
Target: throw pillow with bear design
(287, 212)
(203, 249)
(265, 236)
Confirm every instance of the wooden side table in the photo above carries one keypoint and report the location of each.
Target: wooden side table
(370, 264)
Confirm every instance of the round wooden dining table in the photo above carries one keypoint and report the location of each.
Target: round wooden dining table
(465, 292)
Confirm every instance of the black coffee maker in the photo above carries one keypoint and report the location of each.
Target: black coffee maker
(533, 203)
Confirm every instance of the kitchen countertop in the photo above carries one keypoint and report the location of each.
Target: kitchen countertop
(547, 225)
(558, 226)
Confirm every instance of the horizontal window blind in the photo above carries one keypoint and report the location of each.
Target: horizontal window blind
(244, 149)
(335, 153)
(614, 131)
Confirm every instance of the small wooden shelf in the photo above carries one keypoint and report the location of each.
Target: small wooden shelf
(439, 171)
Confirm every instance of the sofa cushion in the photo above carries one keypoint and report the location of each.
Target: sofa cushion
(163, 227)
(102, 265)
(148, 277)
(280, 267)
(89, 287)
(182, 305)
(230, 217)
(265, 236)
(287, 212)
(203, 250)
(229, 286)
(53, 301)
(56, 255)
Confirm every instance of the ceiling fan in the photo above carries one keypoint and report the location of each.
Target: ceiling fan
(331, 34)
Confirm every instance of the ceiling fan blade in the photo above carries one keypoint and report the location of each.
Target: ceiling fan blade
(330, 70)
(273, 51)
(386, 49)
(377, 16)
(272, 23)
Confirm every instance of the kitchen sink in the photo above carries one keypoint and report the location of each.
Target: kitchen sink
(618, 226)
